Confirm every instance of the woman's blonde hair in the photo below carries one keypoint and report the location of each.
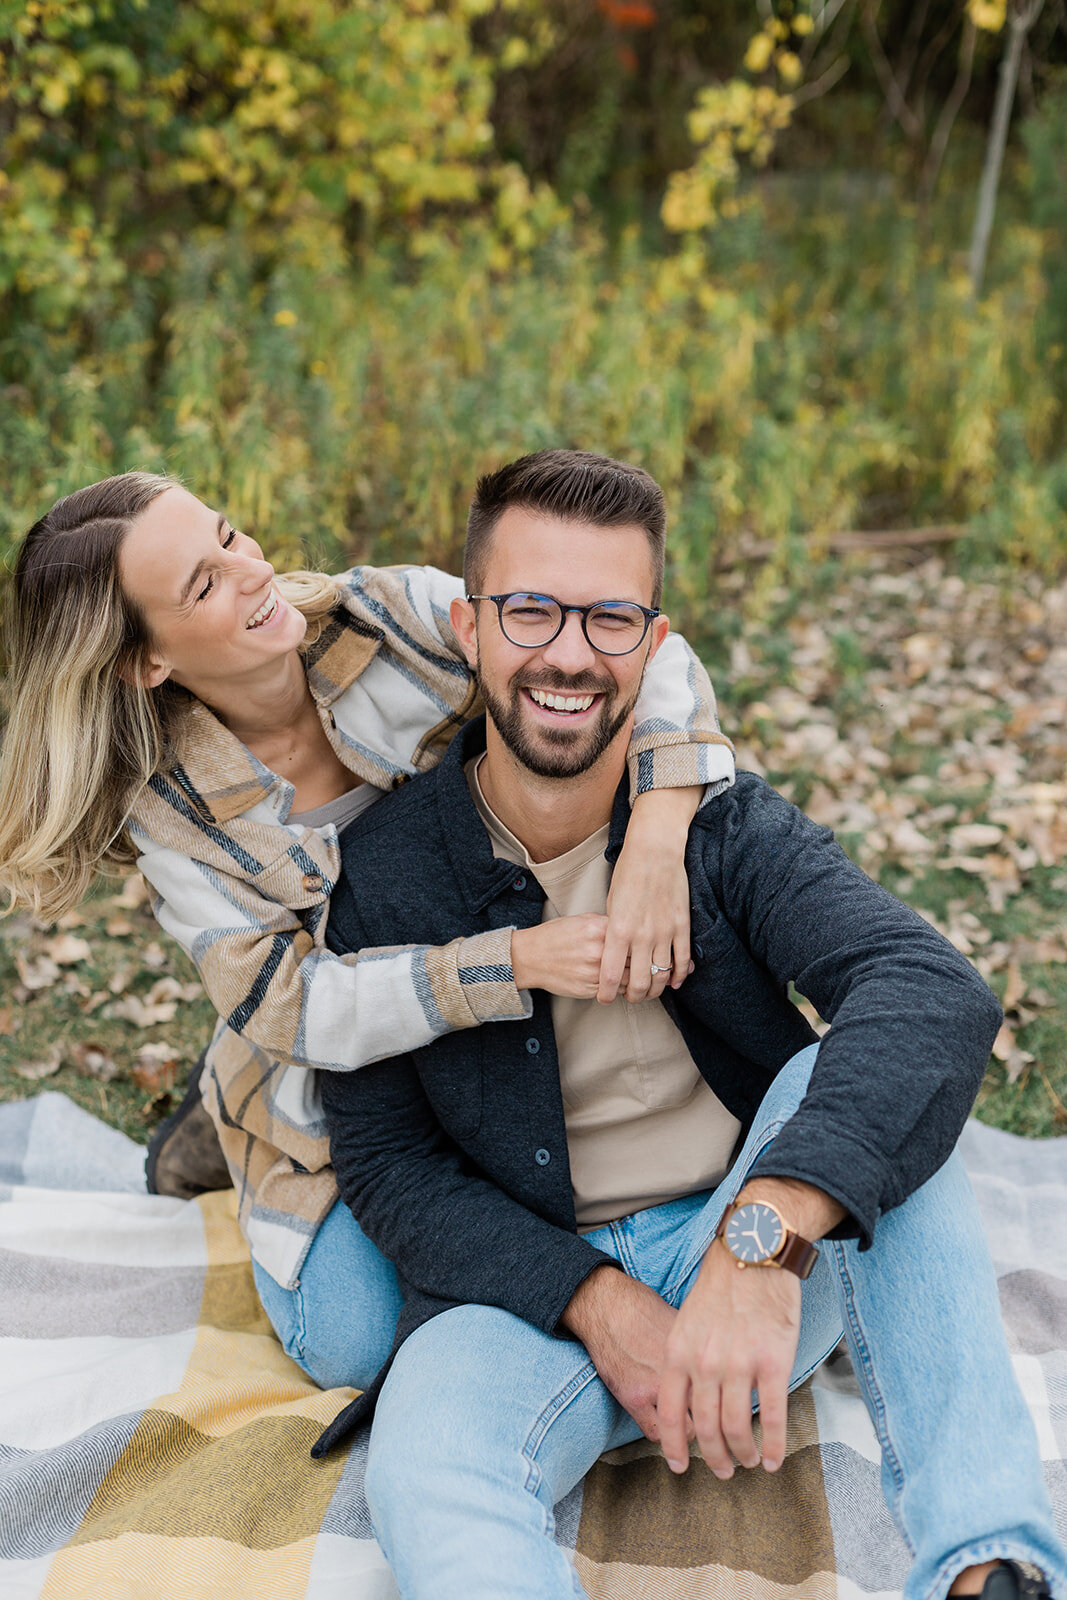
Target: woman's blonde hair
(84, 735)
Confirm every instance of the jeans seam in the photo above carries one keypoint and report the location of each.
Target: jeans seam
(623, 1247)
(875, 1398)
(559, 1402)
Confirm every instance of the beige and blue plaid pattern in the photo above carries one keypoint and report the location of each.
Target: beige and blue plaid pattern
(154, 1437)
(247, 894)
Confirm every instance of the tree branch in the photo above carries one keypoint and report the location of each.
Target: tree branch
(894, 95)
(949, 112)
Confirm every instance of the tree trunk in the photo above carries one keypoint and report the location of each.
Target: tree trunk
(1019, 25)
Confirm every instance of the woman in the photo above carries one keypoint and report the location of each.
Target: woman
(175, 705)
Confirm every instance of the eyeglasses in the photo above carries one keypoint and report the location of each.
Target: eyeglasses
(612, 627)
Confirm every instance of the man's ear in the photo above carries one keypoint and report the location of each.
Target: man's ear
(661, 627)
(465, 626)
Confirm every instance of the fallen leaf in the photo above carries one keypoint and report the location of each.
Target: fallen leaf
(974, 836)
(120, 979)
(71, 919)
(156, 1068)
(120, 927)
(41, 973)
(96, 999)
(33, 1070)
(134, 893)
(154, 955)
(1016, 987)
(10, 1021)
(93, 1061)
(66, 949)
(133, 1009)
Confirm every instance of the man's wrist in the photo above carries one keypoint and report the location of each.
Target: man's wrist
(806, 1210)
(586, 1311)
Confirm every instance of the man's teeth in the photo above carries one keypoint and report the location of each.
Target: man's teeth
(266, 610)
(562, 702)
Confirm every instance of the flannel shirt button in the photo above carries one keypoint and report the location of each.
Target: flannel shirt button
(533, 1045)
(520, 882)
(312, 881)
(542, 1158)
(401, 778)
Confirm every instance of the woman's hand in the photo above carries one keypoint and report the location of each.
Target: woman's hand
(563, 956)
(648, 905)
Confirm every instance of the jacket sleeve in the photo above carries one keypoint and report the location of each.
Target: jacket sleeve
(300, 1003)
(451, 1232)
(912, 1023)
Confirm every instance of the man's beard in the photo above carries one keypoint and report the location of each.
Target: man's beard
(559, 752)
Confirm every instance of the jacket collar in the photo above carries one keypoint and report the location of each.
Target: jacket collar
(217, 773)
(480, 875)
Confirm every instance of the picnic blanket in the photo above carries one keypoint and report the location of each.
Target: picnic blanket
(154, 1437)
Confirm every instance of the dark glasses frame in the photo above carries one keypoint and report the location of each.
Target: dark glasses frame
(649, 613)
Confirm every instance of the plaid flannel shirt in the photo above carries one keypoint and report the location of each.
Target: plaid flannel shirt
(246, 894)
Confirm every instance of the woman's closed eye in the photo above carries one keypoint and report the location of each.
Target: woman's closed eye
(210, 584)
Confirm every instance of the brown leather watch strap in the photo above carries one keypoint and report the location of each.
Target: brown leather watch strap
(797, 1255)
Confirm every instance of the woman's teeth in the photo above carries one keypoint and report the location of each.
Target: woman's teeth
(264, 614)
(561, 702)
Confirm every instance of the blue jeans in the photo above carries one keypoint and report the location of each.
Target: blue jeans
(485, 1423)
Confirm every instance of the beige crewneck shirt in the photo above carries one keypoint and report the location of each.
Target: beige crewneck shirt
(643, 1126)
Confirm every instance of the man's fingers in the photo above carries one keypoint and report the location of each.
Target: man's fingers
(673, 1417)
(707, 1419)
(773, 1410)
(736, 1420)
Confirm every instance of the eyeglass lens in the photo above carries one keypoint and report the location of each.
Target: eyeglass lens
(614, 628)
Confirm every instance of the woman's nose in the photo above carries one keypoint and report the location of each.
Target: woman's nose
(257, 571)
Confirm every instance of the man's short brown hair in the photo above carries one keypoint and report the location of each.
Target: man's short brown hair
(573, 484)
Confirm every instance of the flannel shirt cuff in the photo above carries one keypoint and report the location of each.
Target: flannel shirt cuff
(679, 761)
(486, 977)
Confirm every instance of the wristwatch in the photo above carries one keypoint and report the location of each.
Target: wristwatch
(757, 1235)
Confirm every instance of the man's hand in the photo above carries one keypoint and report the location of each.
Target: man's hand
(624, 1325)
(737, 1333)
(648, 903)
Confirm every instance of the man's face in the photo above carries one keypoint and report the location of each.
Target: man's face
(577, 565)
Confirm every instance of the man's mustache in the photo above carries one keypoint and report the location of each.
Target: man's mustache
(555, 683)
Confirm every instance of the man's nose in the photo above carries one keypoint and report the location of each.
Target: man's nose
(570, 651)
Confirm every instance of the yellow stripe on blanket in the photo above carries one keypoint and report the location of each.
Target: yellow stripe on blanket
(141, 1567)
(216, 1493)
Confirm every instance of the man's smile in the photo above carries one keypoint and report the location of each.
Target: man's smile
(555, 705)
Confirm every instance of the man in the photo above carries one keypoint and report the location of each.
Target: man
(587, 1213)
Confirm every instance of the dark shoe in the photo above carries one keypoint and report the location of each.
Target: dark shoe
(184, 1155)
(1012, 1582)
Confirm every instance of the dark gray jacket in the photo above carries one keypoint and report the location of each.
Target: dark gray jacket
(454, 1158)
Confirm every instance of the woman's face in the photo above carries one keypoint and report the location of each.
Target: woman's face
(206, 595)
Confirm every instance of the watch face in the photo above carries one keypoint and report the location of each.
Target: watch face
(754, 1233)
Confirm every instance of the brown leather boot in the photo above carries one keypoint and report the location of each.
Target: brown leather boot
(184, 1156)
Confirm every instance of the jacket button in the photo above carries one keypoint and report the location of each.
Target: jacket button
(533, 1045)
(400, 779)
(520, 882)
(311, 882)
(542, 1158)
